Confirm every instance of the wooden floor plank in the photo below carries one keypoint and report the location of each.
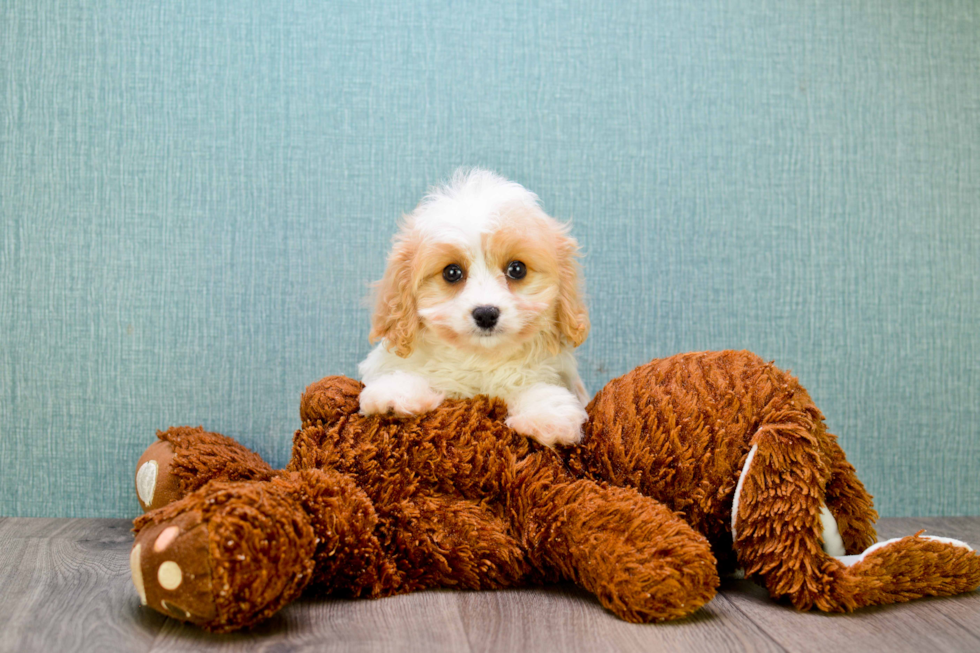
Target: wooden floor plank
(15, 565)
(917, 626)
(426, 622)
(67, 587)
(565, 618)
(960, 528)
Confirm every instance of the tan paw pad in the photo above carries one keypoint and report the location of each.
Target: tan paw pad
(168, 535)
(169, 575)
(156, 486)
(137, 572)
(146, 481)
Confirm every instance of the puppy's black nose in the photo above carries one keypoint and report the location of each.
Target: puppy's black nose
(486, 316)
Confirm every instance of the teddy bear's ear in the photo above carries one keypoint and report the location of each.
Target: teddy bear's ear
(573, 316)
(396, 320)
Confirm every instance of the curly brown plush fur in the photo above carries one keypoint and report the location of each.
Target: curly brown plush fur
(637, 514)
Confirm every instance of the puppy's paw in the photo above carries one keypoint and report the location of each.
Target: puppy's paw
(399, 393)
(548, 414)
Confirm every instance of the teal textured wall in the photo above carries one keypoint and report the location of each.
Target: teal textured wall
(194, 196)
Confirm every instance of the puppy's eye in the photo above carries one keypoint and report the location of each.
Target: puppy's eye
(516, 270)
(452, 273)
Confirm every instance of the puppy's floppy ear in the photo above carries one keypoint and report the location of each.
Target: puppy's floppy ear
(573, 316)
(396, 319)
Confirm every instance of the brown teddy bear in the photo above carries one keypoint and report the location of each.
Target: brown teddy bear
(689, 465)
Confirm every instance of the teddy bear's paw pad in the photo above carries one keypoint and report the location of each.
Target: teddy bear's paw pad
(156, 486)
(170, 564)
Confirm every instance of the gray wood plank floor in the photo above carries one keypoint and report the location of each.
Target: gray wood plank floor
(66, 587)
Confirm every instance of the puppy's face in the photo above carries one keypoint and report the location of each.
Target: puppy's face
(488, 287)
(479, 266)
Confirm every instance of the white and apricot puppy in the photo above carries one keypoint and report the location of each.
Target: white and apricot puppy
(481, 295)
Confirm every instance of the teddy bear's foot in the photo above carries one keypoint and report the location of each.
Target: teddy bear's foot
(184, 458)
(903, 569)
(171, 567)
(224, 557)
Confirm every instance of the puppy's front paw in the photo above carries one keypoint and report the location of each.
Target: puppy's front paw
(548, 414)
(400, 393)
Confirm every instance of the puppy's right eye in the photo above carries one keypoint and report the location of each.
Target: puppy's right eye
(452, 273)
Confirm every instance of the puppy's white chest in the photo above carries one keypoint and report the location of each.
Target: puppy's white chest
(484, 378)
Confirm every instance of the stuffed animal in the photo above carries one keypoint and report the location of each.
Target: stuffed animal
(690, 465)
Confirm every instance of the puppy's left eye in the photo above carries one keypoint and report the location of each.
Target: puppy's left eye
(516, 270)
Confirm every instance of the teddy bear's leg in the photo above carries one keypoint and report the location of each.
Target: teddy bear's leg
(641, 560)
(184, 458)
(233, 553)
(781, 527)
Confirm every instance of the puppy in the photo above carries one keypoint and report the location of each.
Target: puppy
(481, 295)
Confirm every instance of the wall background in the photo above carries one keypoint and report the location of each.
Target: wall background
(194, 195)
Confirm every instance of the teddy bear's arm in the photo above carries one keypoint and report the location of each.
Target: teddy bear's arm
(641, 560)
(439, 540)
